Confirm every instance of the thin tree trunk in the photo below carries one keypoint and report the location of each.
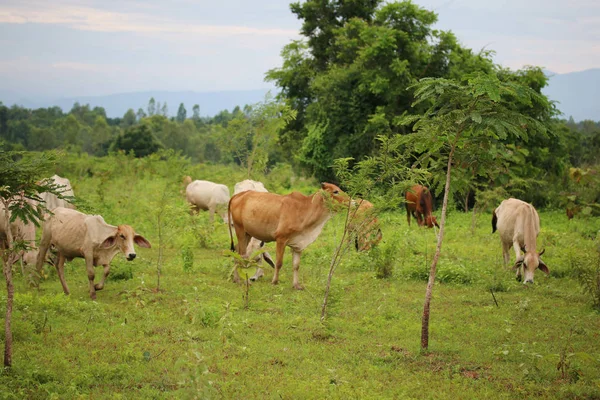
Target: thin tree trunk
(334, 261)
(10, 294)
(8, 260)
(160, 253)
(429, 291)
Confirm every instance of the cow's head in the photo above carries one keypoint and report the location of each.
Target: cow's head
(529, 263)
(430, 221)
(124, 238)
(337, 194)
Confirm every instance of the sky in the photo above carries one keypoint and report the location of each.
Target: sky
(66, 48)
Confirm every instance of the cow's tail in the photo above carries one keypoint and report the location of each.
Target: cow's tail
(232, 247)
(494, 221)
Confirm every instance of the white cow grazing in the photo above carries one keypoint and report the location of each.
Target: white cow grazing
(518, 224)
(20, 231)
(206, 195)
(75, 234)
(51, 201)
(254, 243)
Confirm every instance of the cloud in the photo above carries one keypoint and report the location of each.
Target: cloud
(89, 18)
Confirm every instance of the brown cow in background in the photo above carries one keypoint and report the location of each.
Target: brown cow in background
(419, 203)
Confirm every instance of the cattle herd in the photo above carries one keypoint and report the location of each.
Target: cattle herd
(255, 216)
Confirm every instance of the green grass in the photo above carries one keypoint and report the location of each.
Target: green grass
(194, 339)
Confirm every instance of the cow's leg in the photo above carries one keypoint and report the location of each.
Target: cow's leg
(100, 286)
(519, 269)
(243, 239)
(60, 269)
(42, 250)
(296, 263)
(419, 218)
(89, 265)
(407, 214)
(280, 250)
(506, 253)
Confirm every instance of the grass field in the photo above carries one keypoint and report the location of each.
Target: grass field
(195, 339)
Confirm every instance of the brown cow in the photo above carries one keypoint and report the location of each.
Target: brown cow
(419, 202)
(366, 226)
(293, 220)
(75, 234)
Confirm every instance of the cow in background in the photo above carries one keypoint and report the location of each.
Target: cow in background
(206, 195)
(293, 220)
(518, 224)
(365, 225)
(20, 231)
(254, 243)
(51, 201)
(75, 234)
(419, 203)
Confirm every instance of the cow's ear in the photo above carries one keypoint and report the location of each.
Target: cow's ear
(109, 241)
(544, 267)
(141, 241)
(379, 235)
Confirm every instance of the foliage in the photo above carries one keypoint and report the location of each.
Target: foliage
(349, 80)
(137, 140)
(250, 138)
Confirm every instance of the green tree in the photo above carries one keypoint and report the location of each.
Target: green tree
(349, 80)
(251, 138)
(164, 110)
(137, 139)
(181, 113)
(151, 107)
(473, 117)
(196, 113)
(20, 173)
(129, 119)
(140, 114)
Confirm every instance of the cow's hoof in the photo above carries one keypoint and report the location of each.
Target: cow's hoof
(93, 296)
(275, 282)
(298, 287)
(98, 286)
(518, 278)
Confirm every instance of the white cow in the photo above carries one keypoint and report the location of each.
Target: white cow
(51, 201)
(518, 224)
(206, 195)
(254, 243)
(20, 231)
(75, 234)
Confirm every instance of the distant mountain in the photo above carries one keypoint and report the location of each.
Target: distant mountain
(211, 103)
(577, 93)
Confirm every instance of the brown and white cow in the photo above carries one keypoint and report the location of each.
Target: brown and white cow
(293, 220)
(20, 231)
(419, 203)
(254, 244)
(75, 234)
(206, 195)
(518, 224)
(364, 225)
(51, 201)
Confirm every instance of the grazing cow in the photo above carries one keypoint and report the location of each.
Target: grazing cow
(20, 231)
(254, 243)
(51, 201)
(293, 220)
(518, 224)
(205, 195)
(365, 223)
(75, 234)
(419, 203)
